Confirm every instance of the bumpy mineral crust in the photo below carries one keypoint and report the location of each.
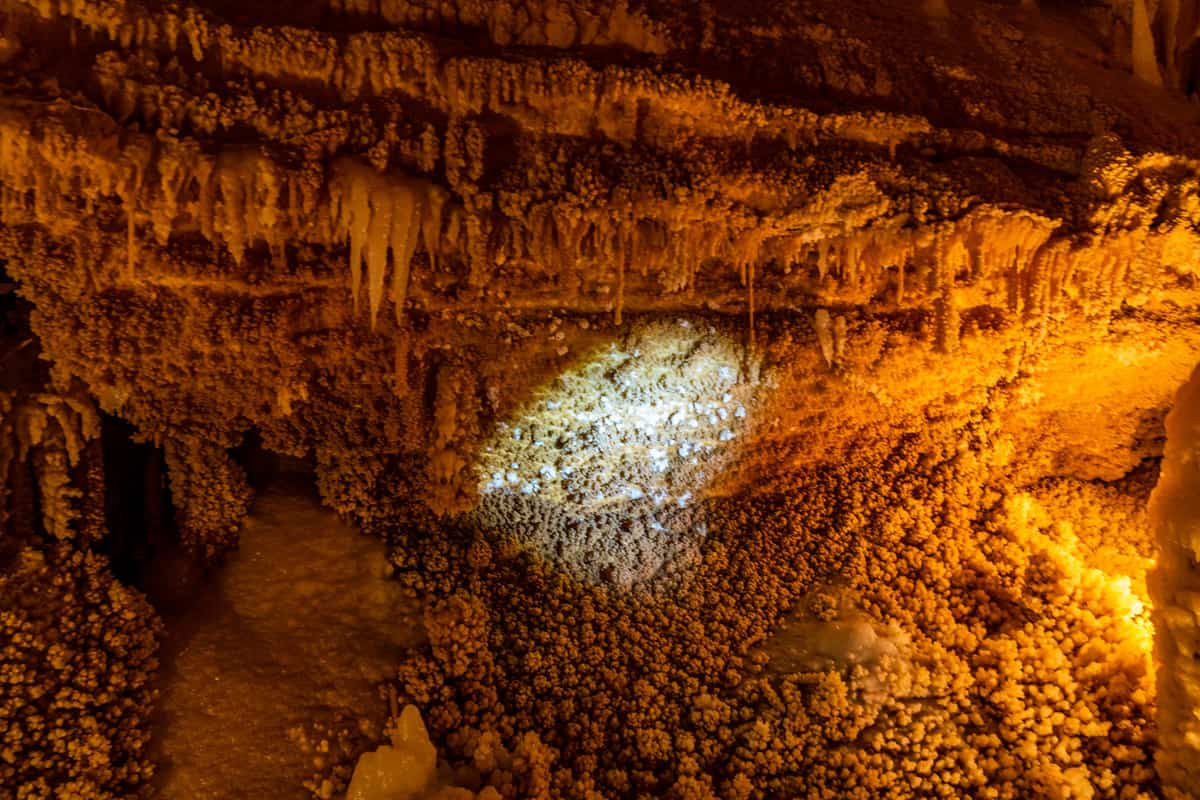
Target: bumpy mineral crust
(77, 648)
(229, 223)
(378, 231)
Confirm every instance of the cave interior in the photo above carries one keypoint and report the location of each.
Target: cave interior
(586, 399)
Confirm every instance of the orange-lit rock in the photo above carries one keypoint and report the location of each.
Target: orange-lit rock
(1175, 584)
(948, 253)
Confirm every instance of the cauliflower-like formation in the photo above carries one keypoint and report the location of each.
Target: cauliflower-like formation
(76, 670)
(1015, 661)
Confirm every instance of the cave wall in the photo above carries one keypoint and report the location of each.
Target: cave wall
(78, 649)
(370, 230)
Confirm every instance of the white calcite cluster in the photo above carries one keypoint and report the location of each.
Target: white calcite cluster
(407, 769)
(1175, 588)
(602, 468)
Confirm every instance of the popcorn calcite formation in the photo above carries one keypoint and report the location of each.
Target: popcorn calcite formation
(954, 244)
(78, 649)
(1018, 663)
(474, 195)
(77, 669)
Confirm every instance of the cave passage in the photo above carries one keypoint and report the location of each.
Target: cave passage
(574, 400)
(279, 651)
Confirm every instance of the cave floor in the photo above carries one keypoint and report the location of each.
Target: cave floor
(294, 632)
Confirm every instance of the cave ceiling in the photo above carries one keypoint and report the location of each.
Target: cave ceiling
(321, 222)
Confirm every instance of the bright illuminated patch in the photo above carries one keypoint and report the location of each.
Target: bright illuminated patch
(601, 470)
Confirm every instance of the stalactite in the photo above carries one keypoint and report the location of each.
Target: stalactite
(378, 63)
(375, 245)
(823, 324)
(130, 243)
(839, 339)
(351, 206)
(1035, 285)
(29, 424)
(401, 347)
(951, 256)
(50, 431)
(382, 215)
(128, 186)
(750, 302)
(245, 197)
(210, 494)
(232, 209)
(1145, 63)
(622, 265)
(408, 209)
(431, 221)
(58, 497)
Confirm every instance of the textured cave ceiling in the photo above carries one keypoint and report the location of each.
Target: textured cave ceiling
(486, 263)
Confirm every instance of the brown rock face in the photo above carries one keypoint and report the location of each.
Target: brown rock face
(950, 247)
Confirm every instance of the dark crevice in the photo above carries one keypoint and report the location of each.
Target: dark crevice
(19, 364)
(265, 468)
(20, 372)
(138, 509)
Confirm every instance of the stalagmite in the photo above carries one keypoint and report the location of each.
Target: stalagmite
(403, 769)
